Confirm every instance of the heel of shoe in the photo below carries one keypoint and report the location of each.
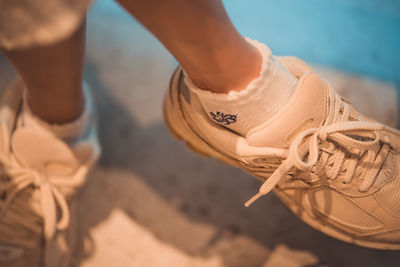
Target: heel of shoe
(175, 121)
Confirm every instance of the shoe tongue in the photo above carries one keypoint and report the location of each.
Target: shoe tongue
(43, 152)
(307, 108)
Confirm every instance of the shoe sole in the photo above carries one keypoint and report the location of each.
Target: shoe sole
(180, 130)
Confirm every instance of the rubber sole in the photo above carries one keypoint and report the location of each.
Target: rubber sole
(177, 126)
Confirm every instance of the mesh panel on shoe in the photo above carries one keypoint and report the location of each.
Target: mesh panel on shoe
(341, 210)
(388, 197)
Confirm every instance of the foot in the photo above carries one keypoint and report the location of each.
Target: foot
(40, 179)
(333, 167)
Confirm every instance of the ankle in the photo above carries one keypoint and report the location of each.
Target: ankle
(69, 128)
(236, 69)
(260, 100)
(56, 109)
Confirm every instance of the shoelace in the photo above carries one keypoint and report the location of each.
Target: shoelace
(51, 199)
(335, 128)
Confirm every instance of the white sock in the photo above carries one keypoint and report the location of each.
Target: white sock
(69, 131)
(263, 97)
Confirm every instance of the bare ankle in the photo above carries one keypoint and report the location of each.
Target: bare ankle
(57, 109)
(236, 71)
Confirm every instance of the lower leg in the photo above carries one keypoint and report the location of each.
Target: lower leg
(202, 38)
(215, 56)
(53, 77)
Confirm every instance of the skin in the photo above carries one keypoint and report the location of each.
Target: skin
(198, 33)
(53, 76)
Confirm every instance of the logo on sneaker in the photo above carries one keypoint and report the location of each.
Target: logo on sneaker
(222, 118)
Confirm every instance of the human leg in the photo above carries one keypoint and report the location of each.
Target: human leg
(48, 145)
(202, 38)
(53, 76)
(217, 59)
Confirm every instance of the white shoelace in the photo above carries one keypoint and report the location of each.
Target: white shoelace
(51, 199)
(335, 128)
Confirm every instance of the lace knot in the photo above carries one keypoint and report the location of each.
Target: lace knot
(322, 134)
(50, 197)
(38, 179)
(305, 147)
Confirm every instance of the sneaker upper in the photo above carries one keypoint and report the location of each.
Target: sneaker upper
(41, 176)
(334, 167)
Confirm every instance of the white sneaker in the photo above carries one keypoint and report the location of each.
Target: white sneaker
(40, 178)
(333, 167)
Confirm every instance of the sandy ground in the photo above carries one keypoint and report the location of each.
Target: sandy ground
(152, 203)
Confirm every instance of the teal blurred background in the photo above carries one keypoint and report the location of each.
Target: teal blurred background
(359, 36)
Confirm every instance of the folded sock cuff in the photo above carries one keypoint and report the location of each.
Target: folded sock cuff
(250, 89)
(67, 131)
(260, 100)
